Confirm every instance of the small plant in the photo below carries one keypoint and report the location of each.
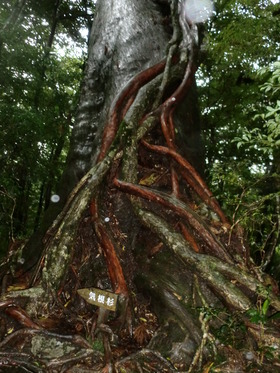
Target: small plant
(259, 315)
(97, 344)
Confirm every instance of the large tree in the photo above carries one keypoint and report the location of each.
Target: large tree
(137, 218)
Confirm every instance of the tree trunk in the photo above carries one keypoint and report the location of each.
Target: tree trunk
(139, 220)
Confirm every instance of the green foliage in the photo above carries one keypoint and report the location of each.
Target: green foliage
(259, 315)
(241, 39)
(240, 106)
(247, 195)
(225, 325)
(97, 344)
(266, 137)
(39, 89)
(226, 333)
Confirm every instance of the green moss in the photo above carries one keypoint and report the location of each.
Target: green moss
(97, 344)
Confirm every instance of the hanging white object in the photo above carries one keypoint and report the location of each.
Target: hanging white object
(198, 11)
(55, 198)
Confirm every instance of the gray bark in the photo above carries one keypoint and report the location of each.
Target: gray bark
(126, 38)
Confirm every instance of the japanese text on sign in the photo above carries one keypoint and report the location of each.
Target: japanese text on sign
(100, 298)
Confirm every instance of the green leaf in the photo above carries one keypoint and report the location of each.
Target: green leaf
(265, 306)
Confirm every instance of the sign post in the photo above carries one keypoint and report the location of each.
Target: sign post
(100, 298)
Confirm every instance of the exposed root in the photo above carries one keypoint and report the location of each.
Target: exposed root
(21, 316)
(122, 103)
(206, 335)
(180, 209)
(192, 178)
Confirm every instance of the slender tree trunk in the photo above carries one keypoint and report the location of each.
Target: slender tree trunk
(42, 67)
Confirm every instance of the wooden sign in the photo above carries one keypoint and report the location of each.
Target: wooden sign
(100, 298)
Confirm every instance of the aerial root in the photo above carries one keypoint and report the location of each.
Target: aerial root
(178, 208)
(191, 176)
(206, 335)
